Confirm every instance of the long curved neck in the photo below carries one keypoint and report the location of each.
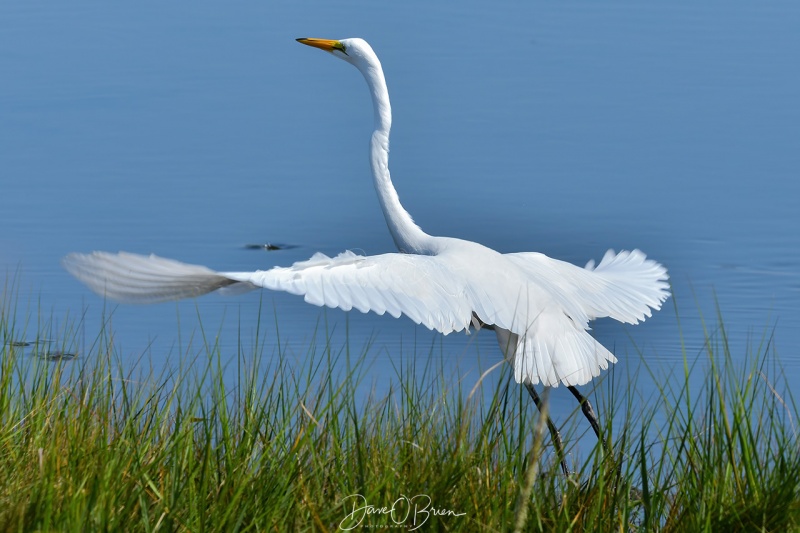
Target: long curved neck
(408, 237)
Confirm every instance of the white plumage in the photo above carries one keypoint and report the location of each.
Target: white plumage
(539, 307)
(546, 302)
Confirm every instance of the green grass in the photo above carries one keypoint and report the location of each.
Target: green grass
(86, 447)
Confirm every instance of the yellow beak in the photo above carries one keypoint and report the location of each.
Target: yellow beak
(328, 45)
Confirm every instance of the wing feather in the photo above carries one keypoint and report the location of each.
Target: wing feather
(625, 286)
(416, 286)
(143, 279)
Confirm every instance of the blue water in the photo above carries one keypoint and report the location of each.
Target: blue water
(566, 128)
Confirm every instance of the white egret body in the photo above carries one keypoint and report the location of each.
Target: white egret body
(539, 307)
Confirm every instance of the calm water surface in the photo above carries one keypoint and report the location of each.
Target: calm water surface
(564, 128)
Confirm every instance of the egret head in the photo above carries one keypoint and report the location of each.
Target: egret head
(359, 53)
(355, 51)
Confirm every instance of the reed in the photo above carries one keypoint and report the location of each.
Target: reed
(87, 446)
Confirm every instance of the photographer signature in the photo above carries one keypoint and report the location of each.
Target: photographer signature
(411, 512)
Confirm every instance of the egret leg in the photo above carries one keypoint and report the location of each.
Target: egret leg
(554, 433)
(586, 407)
(588, 412)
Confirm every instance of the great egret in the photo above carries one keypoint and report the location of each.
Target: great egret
(539, 307)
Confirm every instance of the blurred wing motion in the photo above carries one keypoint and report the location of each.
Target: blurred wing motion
(142, 279)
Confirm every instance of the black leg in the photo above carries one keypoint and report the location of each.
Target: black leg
(554, 434)
(588, 412)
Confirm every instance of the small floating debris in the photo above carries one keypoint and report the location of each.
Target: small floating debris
(57, 356)
(23, 344)
(269, 246)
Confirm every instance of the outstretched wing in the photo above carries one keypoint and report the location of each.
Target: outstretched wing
(417, 286)
(624, 286)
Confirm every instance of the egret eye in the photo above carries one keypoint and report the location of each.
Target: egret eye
(339, 46)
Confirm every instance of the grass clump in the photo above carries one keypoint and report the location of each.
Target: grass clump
(302, 447)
